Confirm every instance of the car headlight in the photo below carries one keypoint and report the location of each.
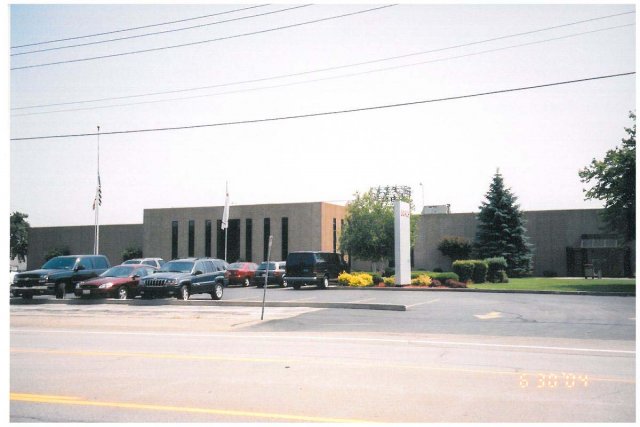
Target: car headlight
(43, 279)
(106, 285)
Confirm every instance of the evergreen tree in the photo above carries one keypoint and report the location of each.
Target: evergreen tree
(501, 231)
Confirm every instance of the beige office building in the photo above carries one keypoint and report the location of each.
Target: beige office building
(563, 240)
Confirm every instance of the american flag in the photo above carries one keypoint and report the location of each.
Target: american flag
(98, 198)
(225, 213)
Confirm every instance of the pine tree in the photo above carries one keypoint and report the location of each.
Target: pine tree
(501, 230)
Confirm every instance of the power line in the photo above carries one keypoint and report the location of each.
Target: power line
(317, 70)
(328, 113)
(159, 32)
(137, 28)
(202, 41)
(327, 78)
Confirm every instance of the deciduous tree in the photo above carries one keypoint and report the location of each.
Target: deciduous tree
(614, 182)
(19, 238)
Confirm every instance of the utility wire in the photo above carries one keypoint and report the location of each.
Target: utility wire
(159, 32)
(328, 113)
(136, 28)
(312, 71)
(202, 41)
(325, 78)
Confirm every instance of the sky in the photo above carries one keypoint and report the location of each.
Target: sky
(282, 64)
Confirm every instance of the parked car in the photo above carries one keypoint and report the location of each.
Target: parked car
(185, 277)
(314, 267)
(276, 274)
(59, 275)
(240, 273)
(119, 282)
(154, 262)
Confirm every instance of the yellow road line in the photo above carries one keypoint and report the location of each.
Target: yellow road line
(62, 400)
(325, 361)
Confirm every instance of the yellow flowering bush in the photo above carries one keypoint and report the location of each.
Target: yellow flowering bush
(421, 280)
(355, 279)
(389, 281)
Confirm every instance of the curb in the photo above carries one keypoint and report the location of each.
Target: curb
(493, 291)
(207, 303)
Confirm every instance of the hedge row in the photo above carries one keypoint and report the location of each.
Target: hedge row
(480, 271)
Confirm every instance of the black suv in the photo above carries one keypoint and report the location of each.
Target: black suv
(59, 275)
(184, 277)
(309, 267)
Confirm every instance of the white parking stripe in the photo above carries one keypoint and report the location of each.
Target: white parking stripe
(426, 302)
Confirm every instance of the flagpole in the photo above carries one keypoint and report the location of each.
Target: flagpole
(225, 217)
(98, 202)
(226, 228)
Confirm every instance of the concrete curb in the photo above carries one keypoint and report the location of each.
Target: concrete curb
(209, 303)
(494, 291)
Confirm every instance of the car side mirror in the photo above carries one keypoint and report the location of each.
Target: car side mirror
(135, 276)
(78, 267)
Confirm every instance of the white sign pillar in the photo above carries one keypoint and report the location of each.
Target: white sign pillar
(402, 233)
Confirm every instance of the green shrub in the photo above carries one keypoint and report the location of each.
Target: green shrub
(437, 270)
(388, 272)
(503, 277)
(464, 269)
(480, 269)
(496, 266)
(456, 248)
(377, 279)
(442, 277)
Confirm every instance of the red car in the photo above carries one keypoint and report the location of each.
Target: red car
(240, 273)
(119, 282)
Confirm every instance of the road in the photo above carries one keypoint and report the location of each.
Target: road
(450, 357)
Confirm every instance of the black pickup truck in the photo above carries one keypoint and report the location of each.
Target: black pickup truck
(58, 276)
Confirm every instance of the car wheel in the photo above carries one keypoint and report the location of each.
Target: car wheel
(284, 283)
(60, 291)
(245, 283)
(325, 283)
(183, 294)
(123, 292)
(217, 291)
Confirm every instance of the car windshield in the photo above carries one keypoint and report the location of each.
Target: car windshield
(133, 261)
(263, 266)
(178, 267)
(65, 263)
(118, 271)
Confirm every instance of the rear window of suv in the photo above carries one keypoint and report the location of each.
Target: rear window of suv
(306, 259)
